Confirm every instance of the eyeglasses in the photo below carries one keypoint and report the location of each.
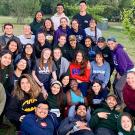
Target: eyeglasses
(45, 109)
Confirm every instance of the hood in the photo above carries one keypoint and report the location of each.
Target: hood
(56, 15)
(119, 46)
(64, 30)
(121, 130)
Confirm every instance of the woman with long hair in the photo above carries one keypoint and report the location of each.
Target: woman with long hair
(26, 95)
(96, 95)
(45, 70)
(90, 48)
(57, 99)
(40, 43)
(80, 70)
(48, 29)
(62, 29)
(13, 46)
(29, 55)
(100, 70)
(37, 22)
(93, 31)
(77, 31)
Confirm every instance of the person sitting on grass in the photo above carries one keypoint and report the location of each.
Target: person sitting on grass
(104, 120)
(77, 125)
(42, 122)
(125, 125)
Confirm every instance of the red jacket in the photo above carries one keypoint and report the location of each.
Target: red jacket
(129, 97)
(75, 73)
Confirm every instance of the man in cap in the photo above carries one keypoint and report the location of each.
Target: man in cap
(122, 63)
(73, 47)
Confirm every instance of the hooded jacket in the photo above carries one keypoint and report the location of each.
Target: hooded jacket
(59, 32)
(121, 60)
(121, 131)
(109, 123)
(32, 125)
(129, 97)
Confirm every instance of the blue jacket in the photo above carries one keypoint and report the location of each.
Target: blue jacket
(121, 60)
(31, 125)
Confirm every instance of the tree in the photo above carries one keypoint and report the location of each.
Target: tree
(23, 8)
(128, 21)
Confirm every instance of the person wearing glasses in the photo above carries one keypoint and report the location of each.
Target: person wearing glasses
(42, 122)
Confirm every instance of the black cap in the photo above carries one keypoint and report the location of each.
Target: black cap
(101, 39)
(111, 39)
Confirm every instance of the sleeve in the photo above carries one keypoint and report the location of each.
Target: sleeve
(94, 120)
(29, 127)
(107, 74)
(65, 127)
(83, 78)
(2, 98)
(54, 68)
(13, 112)
(122, 61)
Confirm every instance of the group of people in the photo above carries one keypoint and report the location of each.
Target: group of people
(55, 78)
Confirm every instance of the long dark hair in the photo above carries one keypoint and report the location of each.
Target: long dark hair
(51, 29)
(8, 43)
(95, 28)
(60, 98)
(83, 64)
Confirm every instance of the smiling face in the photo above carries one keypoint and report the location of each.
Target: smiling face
(8, 30)
(39, 16)
(112, 45)
(48, 24)
(41, 38)
(131, 79)
(99, 59)
(63, 23)
(81, 111)
(92, 24)
(42, 110)
(57, 54)
(28, 50)
(62, 40)
(25, 85)
(60, 9)
(74, 85)
(12, 46)
(88, 42)
(55, 89)
(46, 54)
(75, 25)
(26, 30)
(96, 88)
(6, 60)
(111, 102)
(126, 123)
(65, 80)
(79, 57)
(21, 65)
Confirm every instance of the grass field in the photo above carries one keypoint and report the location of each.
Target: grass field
(114, 30)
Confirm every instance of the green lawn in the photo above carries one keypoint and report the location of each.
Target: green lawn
(115, 30)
